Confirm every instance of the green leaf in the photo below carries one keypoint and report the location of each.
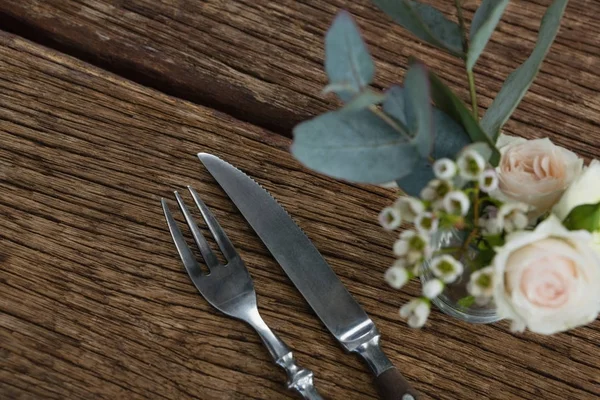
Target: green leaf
(448, 102)
(586, 216)
(347, 61)
(450, 139)
(484, 22)
(519, 80)
(426, 23)
(418, 107)
(358, 147)
(466, 302)
(365, 99)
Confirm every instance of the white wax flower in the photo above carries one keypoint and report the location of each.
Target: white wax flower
(413, 246)
(488, 181)
(456, 202)
(426, 223)
(447, 268)
(416, 312)
(390, 218)
(433, 288)
(481, 283)
(436, 190)
(444, 169)
(396, 276)
(409, 208)
(513, 216)
(470, 165)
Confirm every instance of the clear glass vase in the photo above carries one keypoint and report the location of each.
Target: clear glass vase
(449, 301)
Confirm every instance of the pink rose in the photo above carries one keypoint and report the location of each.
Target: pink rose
(535, 172)
(547, 280)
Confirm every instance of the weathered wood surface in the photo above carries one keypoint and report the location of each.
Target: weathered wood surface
(95, 303)
(261, 61)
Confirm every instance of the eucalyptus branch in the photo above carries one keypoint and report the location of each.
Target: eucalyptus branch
(387, 119)
(465, 44)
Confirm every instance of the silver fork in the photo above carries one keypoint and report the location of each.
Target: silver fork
(229, 288)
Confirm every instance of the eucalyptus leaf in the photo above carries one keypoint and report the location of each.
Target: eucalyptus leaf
(418, 105)
(586, 216)
(347, 61)
(448, 102)
(358, 147)
(395, 105)
(520, 80)
(450, 139)
(484, 23)
(425, 22)
(364, 99)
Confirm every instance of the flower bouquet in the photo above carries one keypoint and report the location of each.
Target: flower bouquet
(497, 226)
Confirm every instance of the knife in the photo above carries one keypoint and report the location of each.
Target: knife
(312, 276)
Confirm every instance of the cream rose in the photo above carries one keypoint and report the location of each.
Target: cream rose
(547, 280)
(585, 190)
(535, 172)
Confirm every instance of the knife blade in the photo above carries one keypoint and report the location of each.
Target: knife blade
(310, 273)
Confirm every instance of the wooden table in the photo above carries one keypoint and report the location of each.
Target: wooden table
(103, 105)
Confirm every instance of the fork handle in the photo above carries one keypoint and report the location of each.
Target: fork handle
(299, 379)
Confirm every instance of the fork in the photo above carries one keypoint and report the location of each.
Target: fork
(229, 288)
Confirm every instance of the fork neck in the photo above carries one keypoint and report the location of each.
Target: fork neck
(276, 347)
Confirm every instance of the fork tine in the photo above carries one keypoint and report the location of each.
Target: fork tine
(220, 236)
(209, 257)
(189, 261)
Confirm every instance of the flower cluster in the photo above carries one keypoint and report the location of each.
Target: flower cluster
(445, 203)
(542, 247)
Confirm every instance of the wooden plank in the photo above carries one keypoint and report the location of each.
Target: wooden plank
(262, 61)
(95, 303)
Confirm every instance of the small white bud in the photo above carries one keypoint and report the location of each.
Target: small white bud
(444, 169)
(488, 181)
(390, 218)
(396, 276)
(457, 203)
(433, 288)
(470, 165)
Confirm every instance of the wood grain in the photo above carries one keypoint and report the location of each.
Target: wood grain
(262, 61)
(95, 303)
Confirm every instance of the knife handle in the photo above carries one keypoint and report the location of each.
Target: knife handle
(390, 384)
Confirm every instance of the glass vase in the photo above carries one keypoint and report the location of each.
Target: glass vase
(452, 300)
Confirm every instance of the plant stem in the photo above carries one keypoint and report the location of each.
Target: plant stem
(386, 118)
(475, 230)
(461, 21)
(447, 250)
(470, 76)
(473, 92)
